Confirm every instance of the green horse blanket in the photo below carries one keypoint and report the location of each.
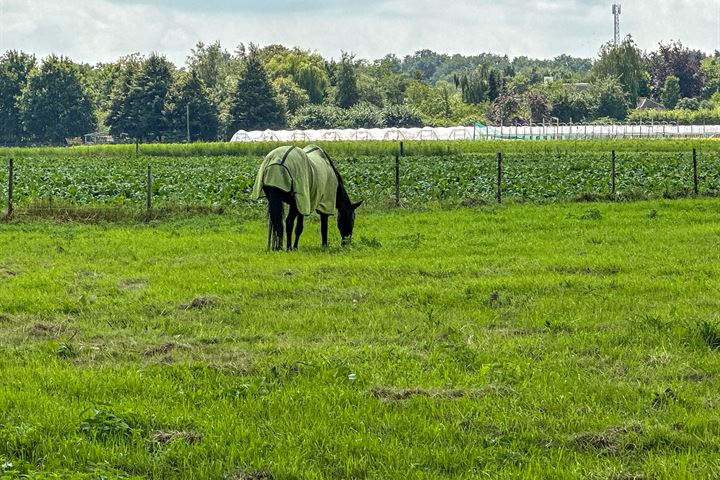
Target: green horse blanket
(306, 174)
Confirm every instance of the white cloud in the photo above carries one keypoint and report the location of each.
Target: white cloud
(103, 30)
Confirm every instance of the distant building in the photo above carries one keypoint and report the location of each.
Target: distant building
(645, 103)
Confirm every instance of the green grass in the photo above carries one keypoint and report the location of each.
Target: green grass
(533, 341)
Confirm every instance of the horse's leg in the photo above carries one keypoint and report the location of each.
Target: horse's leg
(275, 205)
(289, 223)
(324, 228)
(298, 230)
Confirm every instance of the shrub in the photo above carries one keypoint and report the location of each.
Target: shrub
(401, 116)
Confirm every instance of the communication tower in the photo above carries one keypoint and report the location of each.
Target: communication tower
(617, 10)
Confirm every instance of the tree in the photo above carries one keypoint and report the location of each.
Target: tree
(506, 108)
(711, 72)
(316, 117)
(290, 94)
(364, 115)
(188, 95)
(347, 90)
(15, 67)
(625, 63)
(495, 84)
(683, 63)
(138, 109)
(610, 98)
(55, 106)
(424, 63)
(151, 88)
(539, 106)
(401, 116)
(254, 105)
(569, 105)
(473, 85)
(306, 69)
(120, 119)
(213, 65)
(670, 94)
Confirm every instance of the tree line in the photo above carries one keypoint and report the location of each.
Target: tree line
(218, 92)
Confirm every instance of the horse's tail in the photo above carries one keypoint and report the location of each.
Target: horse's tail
(270, 228)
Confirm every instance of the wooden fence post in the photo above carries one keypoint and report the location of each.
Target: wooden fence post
(402, 149)
(148, 189)
(499, 177)
(397, 180)
(696, 186)
(613, 173)
(137, 148)
(11, 181)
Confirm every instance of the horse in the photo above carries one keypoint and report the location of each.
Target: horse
(307, 180)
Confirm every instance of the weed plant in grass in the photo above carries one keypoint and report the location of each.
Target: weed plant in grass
(529, 341)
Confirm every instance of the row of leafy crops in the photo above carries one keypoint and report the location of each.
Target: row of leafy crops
(373, 148)
(227, 180)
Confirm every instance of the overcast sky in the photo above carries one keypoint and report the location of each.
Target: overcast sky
(102, 30)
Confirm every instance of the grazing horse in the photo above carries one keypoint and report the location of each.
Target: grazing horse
(307, 181)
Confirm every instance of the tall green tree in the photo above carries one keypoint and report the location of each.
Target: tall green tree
(150, 91)
(290, 94)
(305, 68)
(610, 98)
(138, 110)
(214, 65)
(347, 89)
(55, 105)
(473, 85)
(569, 105)
(254, 105)
(624, 62)
(670, 95)
(15, 67)
(121, 117)
(495, 84)
(188, 99)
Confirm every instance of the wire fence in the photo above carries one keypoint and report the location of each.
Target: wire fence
(147, 183)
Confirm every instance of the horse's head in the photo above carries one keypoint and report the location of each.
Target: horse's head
(346, 220)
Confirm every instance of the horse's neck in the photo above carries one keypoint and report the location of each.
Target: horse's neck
(342, 197)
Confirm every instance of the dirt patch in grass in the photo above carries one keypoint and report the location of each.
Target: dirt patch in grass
(133, 284)
(509, 331)
(163, 437)
(46, 330)
(163, 349)
(7, 272)
(389, 394)
(253, 475)
(608, 441)
(201, 303)
(629, 476)
(699, 376)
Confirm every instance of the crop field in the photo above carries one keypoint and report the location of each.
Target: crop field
(523, 341)
(428, 173)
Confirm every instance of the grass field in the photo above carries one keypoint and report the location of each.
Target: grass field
(528, 341)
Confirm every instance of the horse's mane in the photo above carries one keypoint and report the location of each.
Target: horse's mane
(341, 184)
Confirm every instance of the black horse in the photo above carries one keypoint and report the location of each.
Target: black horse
(306, 180)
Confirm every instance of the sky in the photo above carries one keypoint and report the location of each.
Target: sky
(103, 30)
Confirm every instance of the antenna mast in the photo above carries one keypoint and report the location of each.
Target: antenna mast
(617, 10)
